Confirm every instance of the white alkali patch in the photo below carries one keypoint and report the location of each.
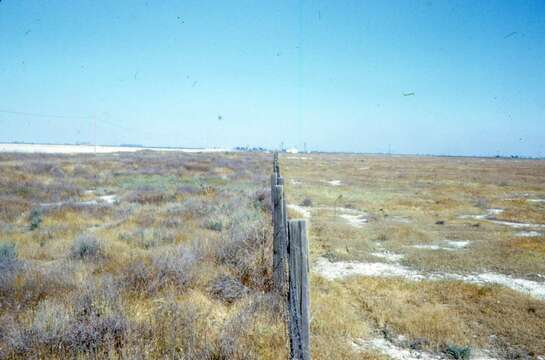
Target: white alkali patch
(305, 212)
(357, 221)
(335, 182)
(338, 270)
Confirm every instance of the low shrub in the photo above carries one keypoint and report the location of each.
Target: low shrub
(86, 247)
(175, 267)
(37, 191)
(245, 247)
(171, 223)
(227, 289)
(214, 224)
(184, 331)
(307, 202)
(481, 203)
(26, 284)
(197, 166)
(263, 200)
(192, 207)
(241, 334)
(57, 172)
(8, 255)
(138, 277)
(382, 237)
(35, 218)
(149, 196)
(91, 326)
(9, 265)
(457, 352)
(149, 238)
(12, 207)
(207, 190)
(188, 189)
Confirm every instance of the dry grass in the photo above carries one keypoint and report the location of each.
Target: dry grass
(144, 276)
(420, 201)
(453, 313)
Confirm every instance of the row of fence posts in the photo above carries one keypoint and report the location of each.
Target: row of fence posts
(290, 267)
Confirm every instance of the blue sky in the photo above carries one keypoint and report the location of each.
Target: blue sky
(328, 73)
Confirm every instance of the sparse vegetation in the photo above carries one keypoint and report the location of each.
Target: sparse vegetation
(404, 198)
(180, 265)
(173, 269)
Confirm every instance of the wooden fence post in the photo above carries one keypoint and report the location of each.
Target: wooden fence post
(290, 247)
(280, 239)
(276, 165)
(299, 302)
(281, 182)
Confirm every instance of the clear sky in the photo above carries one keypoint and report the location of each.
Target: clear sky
(333, 74)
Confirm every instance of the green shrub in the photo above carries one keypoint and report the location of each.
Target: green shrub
(214, 225)
(307, 202)
(458, 352)
(35, 218)
(8, 251)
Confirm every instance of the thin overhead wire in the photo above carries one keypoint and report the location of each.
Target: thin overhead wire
(97, 121)
(21, 113)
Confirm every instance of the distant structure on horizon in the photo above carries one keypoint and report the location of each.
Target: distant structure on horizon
(251, 149)
(292, 151)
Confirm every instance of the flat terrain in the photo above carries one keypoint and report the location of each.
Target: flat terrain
(144, 255)
(89, 149)
(168, 255)
(423, 253)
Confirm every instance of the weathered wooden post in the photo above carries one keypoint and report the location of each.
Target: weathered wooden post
(280, 238)
(281, 182)
(280, 235)
(299, 294)
(290, 247)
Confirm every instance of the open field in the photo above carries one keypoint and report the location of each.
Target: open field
(430, 253)
(168, 255)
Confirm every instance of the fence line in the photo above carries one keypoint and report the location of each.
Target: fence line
(291, 268)
(280, 238)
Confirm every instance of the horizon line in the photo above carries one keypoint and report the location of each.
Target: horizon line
(264, 149)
